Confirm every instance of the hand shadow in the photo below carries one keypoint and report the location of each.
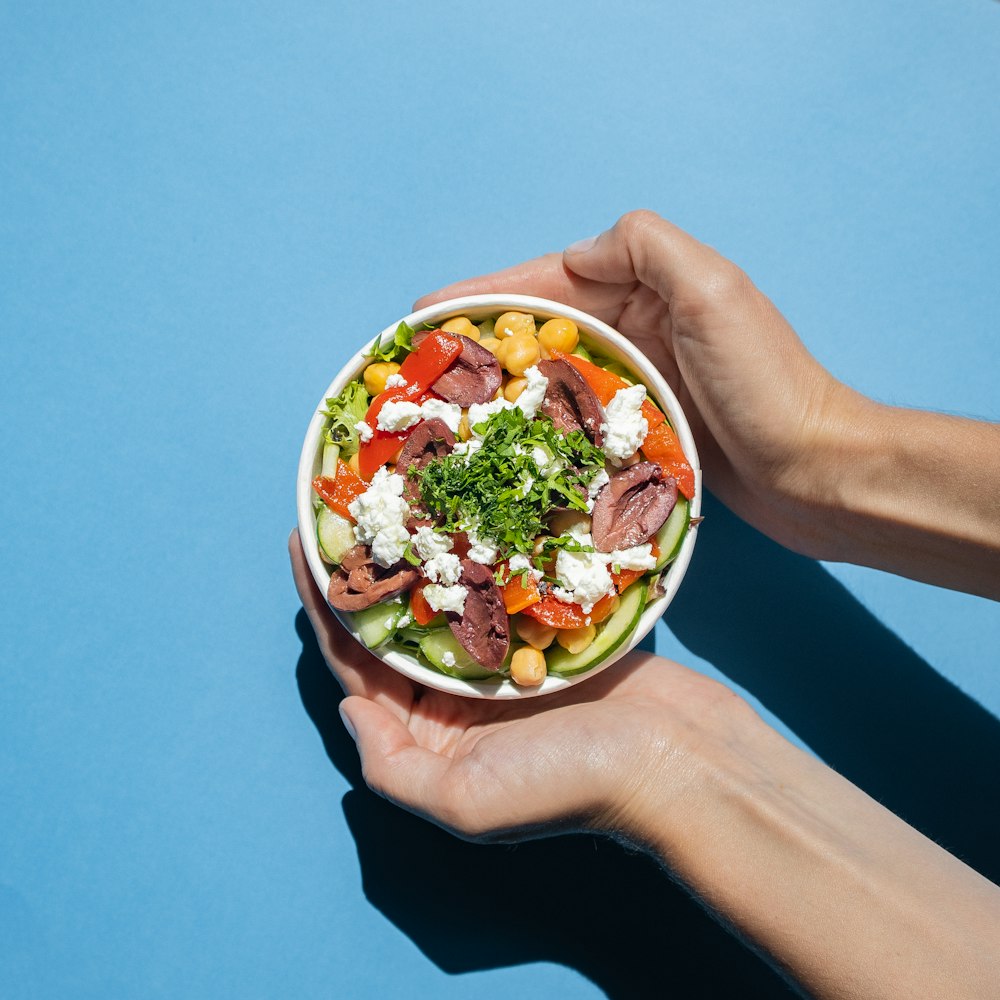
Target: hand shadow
(784, 629)
(580, 901)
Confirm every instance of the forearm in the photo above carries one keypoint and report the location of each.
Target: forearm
(842, 895)
(912, 492)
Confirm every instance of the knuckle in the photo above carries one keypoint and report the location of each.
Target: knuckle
(637, 222)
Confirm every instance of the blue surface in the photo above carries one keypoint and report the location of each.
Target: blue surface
(203, 208)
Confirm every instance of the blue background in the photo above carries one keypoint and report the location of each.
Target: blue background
(204, 207)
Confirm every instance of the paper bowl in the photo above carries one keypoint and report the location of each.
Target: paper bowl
(477, 308)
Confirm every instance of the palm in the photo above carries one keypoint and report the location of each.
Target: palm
(497, 769)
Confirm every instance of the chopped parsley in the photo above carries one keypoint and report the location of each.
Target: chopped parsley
(501, 487)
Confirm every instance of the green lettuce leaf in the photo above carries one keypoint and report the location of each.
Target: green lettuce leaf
(344, 412)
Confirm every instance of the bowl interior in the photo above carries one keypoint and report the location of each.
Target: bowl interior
(609, 343)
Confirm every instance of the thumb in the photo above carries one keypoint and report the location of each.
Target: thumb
(643, 247)
(393, 764)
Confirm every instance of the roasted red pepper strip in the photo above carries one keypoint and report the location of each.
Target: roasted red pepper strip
(661, 446)
(375, 453)
(420, 371)
(561, 614)
(422, 612)
(519, 592)
(605, 384)
(338, 491)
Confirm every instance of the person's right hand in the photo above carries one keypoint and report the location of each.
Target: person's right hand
(765, 414)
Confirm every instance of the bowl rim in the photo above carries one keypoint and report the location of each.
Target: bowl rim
(592, 328)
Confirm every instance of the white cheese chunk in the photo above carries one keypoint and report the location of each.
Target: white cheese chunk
(624, 425)
(364, 431)
(481, 549)
(443, 568)
(398, 415)
(380, 516)
(395, 381)
(481, 412)
(428, 543)
(533, 393)
(442, 598)
(450, 413)
(637, 557)
(448, 658)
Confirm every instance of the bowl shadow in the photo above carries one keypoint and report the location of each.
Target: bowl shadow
(783, 628)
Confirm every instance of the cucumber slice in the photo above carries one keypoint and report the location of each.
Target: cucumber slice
(331, 454)
(610, 635)
(375, 624)
(670, 537)
(335, 535)
(582, 352)
(436, 646)
(487, 329)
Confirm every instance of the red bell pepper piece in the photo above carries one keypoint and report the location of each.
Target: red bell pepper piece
(420, 370)
(661, 446)
(338, 491)
(519, 592)
(561, 614)
(422, 612)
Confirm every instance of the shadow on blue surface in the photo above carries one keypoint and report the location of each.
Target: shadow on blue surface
(783, 628)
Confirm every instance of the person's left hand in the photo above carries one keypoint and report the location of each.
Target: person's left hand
(591, 757)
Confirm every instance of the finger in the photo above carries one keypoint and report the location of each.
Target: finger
(547, 277)
(357, 670)
(643, 247)
(394, 765)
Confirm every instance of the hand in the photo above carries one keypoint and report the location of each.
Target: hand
(590, 758)
(761, 407)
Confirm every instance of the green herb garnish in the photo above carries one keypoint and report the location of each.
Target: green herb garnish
(501, 489)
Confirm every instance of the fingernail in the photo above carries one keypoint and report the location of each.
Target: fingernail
(347, 725)
(581, 246)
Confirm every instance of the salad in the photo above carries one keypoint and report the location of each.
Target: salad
(498, 500)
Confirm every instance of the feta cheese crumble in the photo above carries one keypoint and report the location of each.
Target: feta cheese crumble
(364, 431)
(398, 415)
(444, 568)
(481, 549)
(624, 425)
(428, 543)
(442, 598)
(450, 413)
(519, 563)
(533, 393)
(380, 516)
(583, 576)
(481, 412)
(448, 658)
(637, 557)
(395, 381)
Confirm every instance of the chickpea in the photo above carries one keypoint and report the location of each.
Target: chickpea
(558, 335)
(567, 519)
(511, 324)
(354, 464)
(462, 325)
(519, 353)
(527, 667)
(491, 344)
(514, 388)
(576, 640)
(533, 632)
(464, 430)
(376, 375)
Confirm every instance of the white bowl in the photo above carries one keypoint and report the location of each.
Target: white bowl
(479, 307)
